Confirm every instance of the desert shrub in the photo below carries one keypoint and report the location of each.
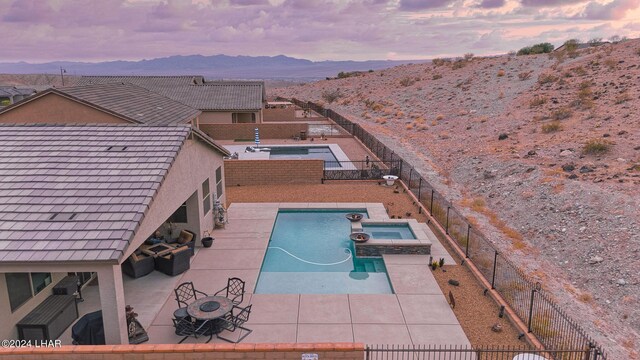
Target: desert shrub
(571, 45)
(546, 79)
(537, 101)
(551, 127)
(436, 77)
(638, 51)
(622, 98)
(580, 71)
(458, 64)
(439, 117)
(594, 42)
(542, 48)
(585, 85)
(525, 75)
(611, 63)
(561, 113)
(468, 56)
(331, 95)
(438, 61)
(407, 81)
(501, 73)
(596, 146)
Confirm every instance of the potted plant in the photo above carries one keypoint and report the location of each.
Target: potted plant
(207, 240)
(434, 265)
(390, 179)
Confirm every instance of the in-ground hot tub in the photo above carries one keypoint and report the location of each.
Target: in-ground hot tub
(392, 236)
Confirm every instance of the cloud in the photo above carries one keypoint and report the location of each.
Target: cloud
(27, 11)
(550, 3)
(491, 4)
(415, 5)
(615, 10)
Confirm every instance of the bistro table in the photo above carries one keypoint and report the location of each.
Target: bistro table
(209, 308)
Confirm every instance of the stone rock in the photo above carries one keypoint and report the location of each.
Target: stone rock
(531, 153)
(595, 259)
(621, 282)
(496, 328)
(566, 153)
(454, 282)
(572, 177)
(503, 136)
(585, 169)
(568, 167)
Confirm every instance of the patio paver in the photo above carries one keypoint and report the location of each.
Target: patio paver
(375, 309)
(439, 310)
(324, 309)
(269, 333)
(228, 259)
(438, 335)
(381, 334)
(274, 309)
(308, 333)
(412, 279)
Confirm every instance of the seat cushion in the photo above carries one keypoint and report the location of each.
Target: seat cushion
(185, 237)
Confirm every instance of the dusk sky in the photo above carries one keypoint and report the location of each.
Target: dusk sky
(98, 30)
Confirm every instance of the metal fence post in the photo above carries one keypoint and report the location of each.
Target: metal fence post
(410, 173)
(420, 196)
(447, 226)
(431, 206)
(466, 251)
(533, 293)
(495, 264)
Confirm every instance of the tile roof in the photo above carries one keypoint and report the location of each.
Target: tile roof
(132, 102)
(100, 196)
(202, 95)
(12, 91)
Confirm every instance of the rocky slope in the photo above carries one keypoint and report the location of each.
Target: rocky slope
(549, 145)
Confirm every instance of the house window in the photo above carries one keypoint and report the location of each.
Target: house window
(219, 188)
(206, 197)
(180, 215)
(5, 101)
(23, 286)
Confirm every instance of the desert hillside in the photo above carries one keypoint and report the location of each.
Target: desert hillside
(541, 151)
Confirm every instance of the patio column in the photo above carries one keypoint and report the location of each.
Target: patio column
(113, 304)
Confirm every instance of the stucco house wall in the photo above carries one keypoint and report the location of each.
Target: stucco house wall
(55, 109)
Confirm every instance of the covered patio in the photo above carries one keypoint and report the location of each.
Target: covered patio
(84, 199)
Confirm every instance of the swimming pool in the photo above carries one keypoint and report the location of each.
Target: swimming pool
(391, 231)
(305, 152)
(310, 253)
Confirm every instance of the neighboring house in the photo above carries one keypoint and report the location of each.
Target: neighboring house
(11, 94)
(221, 102)
(82, 198)
(115, 103)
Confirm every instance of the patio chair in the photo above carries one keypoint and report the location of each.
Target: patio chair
(138, 265)
(186, 293)
(234, 290)
(186, 238)
(235, 321)
(174, 263)
(188, 328)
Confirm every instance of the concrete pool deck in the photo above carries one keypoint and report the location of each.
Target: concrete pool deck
(418, 312)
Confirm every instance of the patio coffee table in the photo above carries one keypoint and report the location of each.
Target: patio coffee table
(209, 308)
(157, 249)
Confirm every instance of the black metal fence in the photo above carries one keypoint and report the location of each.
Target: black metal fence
(533, 305)
(360, 170)
(400, 352)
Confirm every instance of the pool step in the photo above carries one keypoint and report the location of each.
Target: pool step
(379, 266)
(369, 267)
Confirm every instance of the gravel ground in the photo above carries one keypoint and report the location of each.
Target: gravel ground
(477, 133)
(476, 313)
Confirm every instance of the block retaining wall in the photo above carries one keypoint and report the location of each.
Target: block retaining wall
(273, 172)
(346, 351)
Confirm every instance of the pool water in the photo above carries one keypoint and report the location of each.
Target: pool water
(304, 152)
(395, 231)
(310, 253)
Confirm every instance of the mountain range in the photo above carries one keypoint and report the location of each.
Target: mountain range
(215, 66)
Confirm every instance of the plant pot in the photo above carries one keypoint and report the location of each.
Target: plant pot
(207, 241)
(390, 179)
(353, 217)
